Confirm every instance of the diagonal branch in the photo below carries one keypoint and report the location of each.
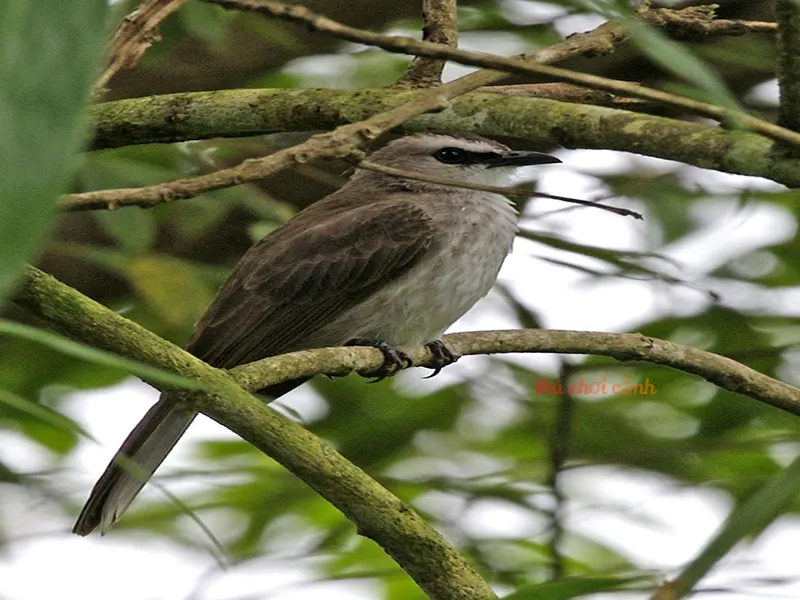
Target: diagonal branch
(422, 552)
(343, 142)
(133, 37)
(441, 27)
(415, 546)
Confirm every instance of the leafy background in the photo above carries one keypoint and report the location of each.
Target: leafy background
(501, 468)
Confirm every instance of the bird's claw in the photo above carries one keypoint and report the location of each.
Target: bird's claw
(394, 360)
(441, 356)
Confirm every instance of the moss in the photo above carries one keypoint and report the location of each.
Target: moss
(236, 113)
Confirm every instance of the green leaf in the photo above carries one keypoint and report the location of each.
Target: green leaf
(676, 59)
(747, 518)
(156, 280)
(39, 412)
(134, 230)
(49, 53)
(570, 587)
(93, 355)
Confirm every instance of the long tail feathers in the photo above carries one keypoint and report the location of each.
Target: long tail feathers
(135, 462)
(141, 453)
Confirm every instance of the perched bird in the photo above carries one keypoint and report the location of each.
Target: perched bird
(384, 261)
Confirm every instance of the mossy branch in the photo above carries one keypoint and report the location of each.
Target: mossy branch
(418, 549)
(235, 113)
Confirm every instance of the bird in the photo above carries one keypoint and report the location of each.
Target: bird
(385, 261)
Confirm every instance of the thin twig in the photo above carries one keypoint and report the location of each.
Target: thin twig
(441, 27)
(723, 372)
(788, 65)
(568, 92)
(342, 142)
(406, 45)
(506, 191)
(133, 37)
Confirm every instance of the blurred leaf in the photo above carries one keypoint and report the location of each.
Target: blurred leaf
(170, 288)
(676, 59)
(133, 228)
(206, 21)
(49, 53)
(748, 518)
(45, 415)
(89, 354)
(569, 587)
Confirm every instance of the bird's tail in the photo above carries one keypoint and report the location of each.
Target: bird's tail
(143, 451)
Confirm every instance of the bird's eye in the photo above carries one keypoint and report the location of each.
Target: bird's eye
(451, 156)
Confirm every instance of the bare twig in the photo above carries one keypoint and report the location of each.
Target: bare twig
(133, 37)
(341, 143)
(441, 27)
(406, 45)
(72, 313)
(568, 92)
(723, 372)
(788, 67)
(506, 191)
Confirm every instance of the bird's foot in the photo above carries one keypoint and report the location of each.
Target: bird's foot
(394, 360)
(442, 356)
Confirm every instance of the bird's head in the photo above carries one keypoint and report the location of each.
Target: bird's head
(459, 157)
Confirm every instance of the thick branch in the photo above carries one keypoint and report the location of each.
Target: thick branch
(526, 65)
(419, 550)
(424, 554)
(204, 115)
(788, 68)
(441, 27)
(341, 143)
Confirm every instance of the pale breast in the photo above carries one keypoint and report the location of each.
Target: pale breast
(478, 231)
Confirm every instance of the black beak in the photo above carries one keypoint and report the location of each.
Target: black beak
(520, 159)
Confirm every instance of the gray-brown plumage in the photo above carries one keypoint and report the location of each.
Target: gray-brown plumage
(383, 258)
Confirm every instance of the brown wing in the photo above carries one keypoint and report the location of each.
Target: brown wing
(305, 274)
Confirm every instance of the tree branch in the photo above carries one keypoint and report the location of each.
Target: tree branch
(419, 550)
(441, 27)
(343, 142)
(204, 115)
(77, 316)
(723, 372)
(788, 67)
(133, 37)
(523, 65)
